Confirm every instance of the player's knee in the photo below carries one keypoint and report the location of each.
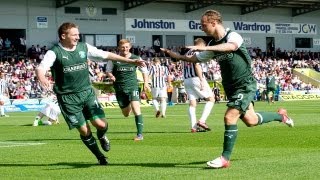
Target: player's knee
(229, 119)
(249, 122)
(126, 114)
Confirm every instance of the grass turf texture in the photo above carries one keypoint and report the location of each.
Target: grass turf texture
(169, 150)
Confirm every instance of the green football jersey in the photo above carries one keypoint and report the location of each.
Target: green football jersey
(125, 74)
(70, 70)
(235, 66)
(271, 82)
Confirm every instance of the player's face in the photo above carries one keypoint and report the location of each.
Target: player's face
(124, 49)
(71, 38)
(206, 26)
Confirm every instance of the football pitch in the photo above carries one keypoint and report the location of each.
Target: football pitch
(169, 150)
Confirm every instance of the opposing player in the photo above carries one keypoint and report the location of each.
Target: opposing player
(159, 76)
(197, 87)
(238, 82)
(4, 93)
(51, 111)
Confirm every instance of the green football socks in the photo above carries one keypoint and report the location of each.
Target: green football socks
(266, 117)
(230, 136)
(139, 123)
(91, 143)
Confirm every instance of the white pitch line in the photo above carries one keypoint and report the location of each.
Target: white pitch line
(6, 144)
(120, 115)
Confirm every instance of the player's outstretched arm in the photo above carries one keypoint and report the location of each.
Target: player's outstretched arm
(224, 47)
(115, 57)
(179, 57)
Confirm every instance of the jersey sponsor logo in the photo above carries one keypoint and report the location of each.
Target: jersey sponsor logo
(76, 67)
(82, 54)
(223, 56)
(125, 69)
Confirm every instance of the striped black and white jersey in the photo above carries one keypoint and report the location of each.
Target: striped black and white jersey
(189, 69)
(3, 86)
(159, 75)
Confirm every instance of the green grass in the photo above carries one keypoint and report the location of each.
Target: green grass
(169, 151)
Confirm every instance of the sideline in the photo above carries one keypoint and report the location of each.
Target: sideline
(8, 144)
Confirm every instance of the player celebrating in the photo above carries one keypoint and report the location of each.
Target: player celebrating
(75, 95)
(238, 82)
(126, 86)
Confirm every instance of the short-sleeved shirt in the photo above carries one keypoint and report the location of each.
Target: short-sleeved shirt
(125, 74)
(237, 78)
(69, 67)
(235, 66)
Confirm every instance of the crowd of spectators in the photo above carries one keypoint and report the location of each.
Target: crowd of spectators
(23, 84)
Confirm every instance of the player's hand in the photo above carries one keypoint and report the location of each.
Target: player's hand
(147, 87)
(140, 62)
(46, 84)
(112, 78)
(201, 86)
(170, 53)
(192, 48)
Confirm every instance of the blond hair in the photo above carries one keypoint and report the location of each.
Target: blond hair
(156, 60)
(199, 41)
(213, 15)
(123, 41)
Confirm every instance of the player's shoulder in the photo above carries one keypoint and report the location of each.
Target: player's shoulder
(133, 56)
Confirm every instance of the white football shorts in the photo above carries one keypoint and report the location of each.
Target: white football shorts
(159, 92)
(51, 110)
(192, 86)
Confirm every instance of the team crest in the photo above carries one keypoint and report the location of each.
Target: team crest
(91, 10)
(230, 55)
(82, 54)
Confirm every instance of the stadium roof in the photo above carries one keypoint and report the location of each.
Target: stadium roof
(298, 7)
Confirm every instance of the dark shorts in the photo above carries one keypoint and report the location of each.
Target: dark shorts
(270, 90)
(157, 49)
(241, 97)
(124, 97)
(77, 108)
